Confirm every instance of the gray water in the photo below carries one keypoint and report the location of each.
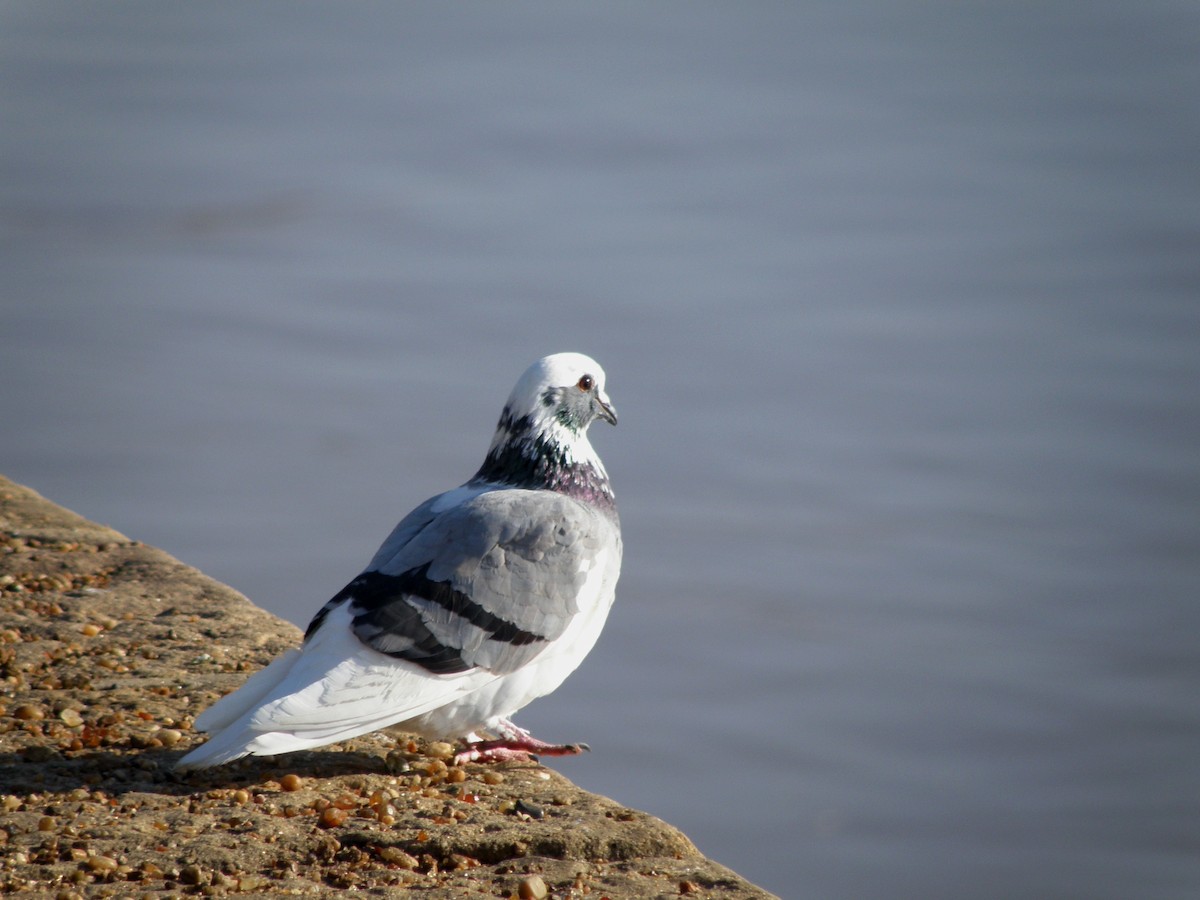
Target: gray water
(900, 306)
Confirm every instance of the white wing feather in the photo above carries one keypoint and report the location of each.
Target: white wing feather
(254, 691)
(303, 702)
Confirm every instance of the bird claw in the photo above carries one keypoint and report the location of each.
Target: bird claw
(474, 754)
(521, 748)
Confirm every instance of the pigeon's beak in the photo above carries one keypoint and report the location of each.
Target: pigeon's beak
(604, 408)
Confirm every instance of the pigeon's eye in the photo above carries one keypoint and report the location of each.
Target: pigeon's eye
(586, 383)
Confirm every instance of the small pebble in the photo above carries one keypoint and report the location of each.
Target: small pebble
(397, 857)
(90, 630)
(332, 817)
(291, 783)
(439, 750)
(532, 887)
(169, 736)
(345, 801)
(522, 808)
(381, 795)
(241, 797)
(29, 712)
(101, 863)
(71, 718)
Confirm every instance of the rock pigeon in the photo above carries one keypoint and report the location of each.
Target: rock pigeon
(481, 600)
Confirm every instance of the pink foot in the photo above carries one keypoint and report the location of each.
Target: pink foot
(516, 744)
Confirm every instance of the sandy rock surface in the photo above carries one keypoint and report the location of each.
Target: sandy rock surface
(109, 648)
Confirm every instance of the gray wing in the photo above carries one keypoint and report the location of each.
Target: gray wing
(486, 583)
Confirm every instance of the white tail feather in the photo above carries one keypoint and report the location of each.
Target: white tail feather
(332, 689)
(253, 691)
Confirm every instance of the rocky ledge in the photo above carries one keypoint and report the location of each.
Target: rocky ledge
(109, 647)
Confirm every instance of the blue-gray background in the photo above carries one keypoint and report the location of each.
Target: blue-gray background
(900, 305)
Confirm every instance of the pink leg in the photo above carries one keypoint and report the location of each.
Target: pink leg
(515, 743)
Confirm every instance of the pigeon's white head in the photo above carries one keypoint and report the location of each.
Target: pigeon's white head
(541, 439)
(566, 389)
